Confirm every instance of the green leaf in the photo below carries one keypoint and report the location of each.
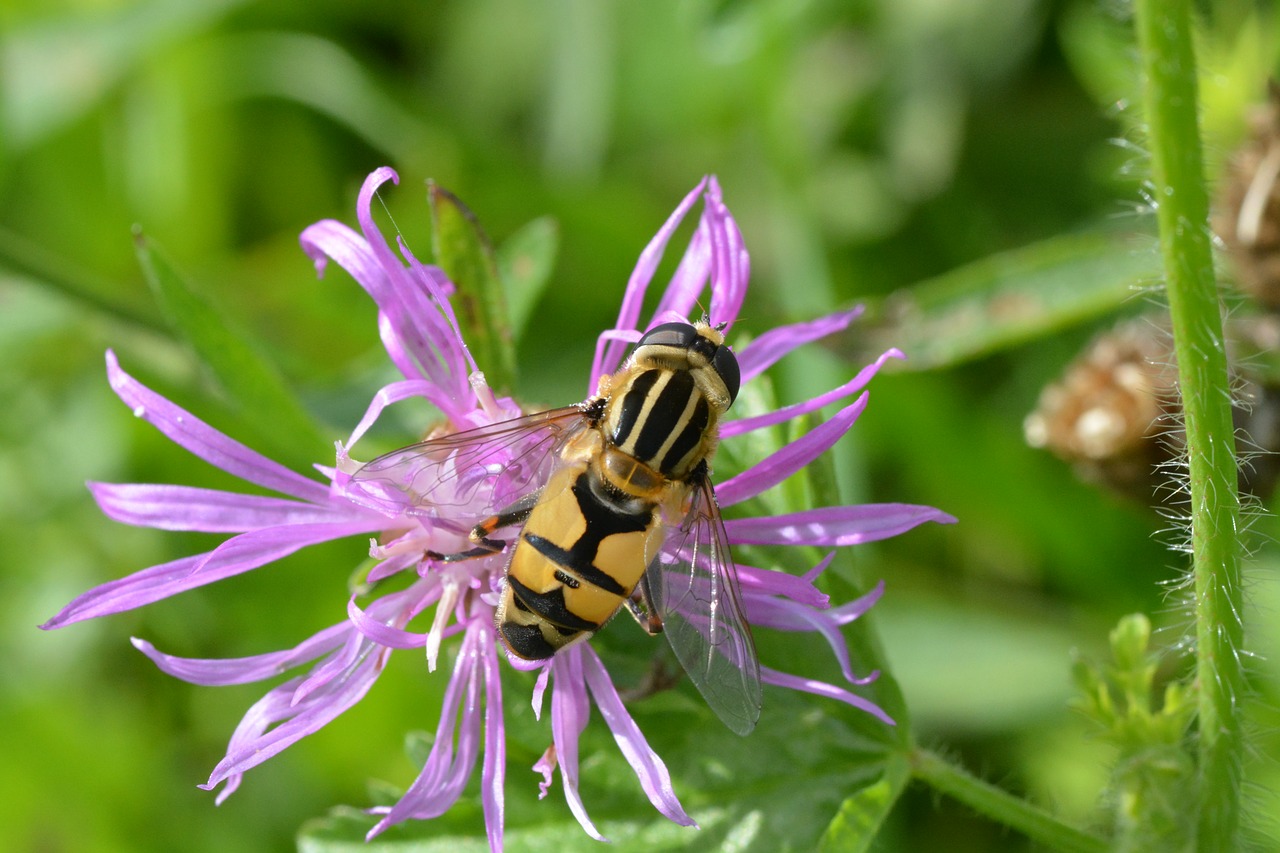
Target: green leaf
(861, 815)
(252, 384)
(464, 252)
(21, 257)
(344, 829)
(525, 262)
(1008, 299)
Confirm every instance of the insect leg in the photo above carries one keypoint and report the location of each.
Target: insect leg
(640, 605)
(516, 513)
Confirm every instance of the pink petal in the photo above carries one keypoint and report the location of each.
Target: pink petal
(833, 525)
(208, 510)
(690, 278)
(850, 610)
(219, 672)
(783, 615)
(494, 773)
(791, 458)
(387, 635)
(731, 269)
(854, 385)
(394, 393)
(765, 350)
(329, 239)
(632, 300)
(821, 688)
(416, 323)
(442, 778)
(275, 722)
(569, 713)
(769, 582)
(206, 442)
(236, 555)
(649, 768)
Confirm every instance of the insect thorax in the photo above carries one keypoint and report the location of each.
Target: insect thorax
(662, 417)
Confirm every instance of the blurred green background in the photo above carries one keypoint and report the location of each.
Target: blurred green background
(864, 148)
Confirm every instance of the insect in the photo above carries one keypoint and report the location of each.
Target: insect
(612, 505)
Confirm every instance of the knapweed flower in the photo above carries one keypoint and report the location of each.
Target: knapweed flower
(422, 338)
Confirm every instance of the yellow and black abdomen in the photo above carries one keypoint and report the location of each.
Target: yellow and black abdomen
(580, 555)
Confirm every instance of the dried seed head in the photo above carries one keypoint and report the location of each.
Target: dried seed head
(1247, 213)
(1116, 416)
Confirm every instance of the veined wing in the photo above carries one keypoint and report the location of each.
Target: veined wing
(693, 585)
(479, 470)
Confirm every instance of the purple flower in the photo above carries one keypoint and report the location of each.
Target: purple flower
(421, 335)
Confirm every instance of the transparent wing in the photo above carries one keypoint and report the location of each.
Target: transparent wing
(472, 472)
(693, 585)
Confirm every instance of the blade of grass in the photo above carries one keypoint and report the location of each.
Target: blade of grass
(252, 384)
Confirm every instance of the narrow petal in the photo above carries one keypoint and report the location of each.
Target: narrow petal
(649, 768)
(275, 722)
(389, 636)
(608, 340)
(439, 784)
(783, 615)
(396, 607)
(455, 356)
(219, 672)
(821, 688)
(833, 525)
(209, 510)
(768, 582)
(493, 775)
(238, 554)
(396, 351)
(765, 350)
(329, 239)
(853, 386)
(204, 441)
(850, 610)
(791, 458)
(570, 710)
(691, 275)
(419, 334)
(731, 269)
(394, 393)
(632, 300)
(407, 300)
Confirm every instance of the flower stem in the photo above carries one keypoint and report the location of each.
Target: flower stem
(999, 805)
(1168, 64)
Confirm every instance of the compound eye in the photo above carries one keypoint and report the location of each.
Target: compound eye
(670, 335)
(725, 363)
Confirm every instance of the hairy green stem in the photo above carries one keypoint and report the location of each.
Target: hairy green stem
(1168, 64)
(1000, 805)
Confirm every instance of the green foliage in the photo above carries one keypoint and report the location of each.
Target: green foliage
(1153, 778)
(463, 251)
(272, 415)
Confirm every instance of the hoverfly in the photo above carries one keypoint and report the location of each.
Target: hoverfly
(614, 506)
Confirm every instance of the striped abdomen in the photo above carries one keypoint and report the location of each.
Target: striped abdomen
(579, 557)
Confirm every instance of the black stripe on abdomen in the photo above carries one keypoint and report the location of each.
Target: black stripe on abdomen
(550, 606)
(585, 569)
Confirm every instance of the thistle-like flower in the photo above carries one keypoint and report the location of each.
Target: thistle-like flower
(422, 338)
